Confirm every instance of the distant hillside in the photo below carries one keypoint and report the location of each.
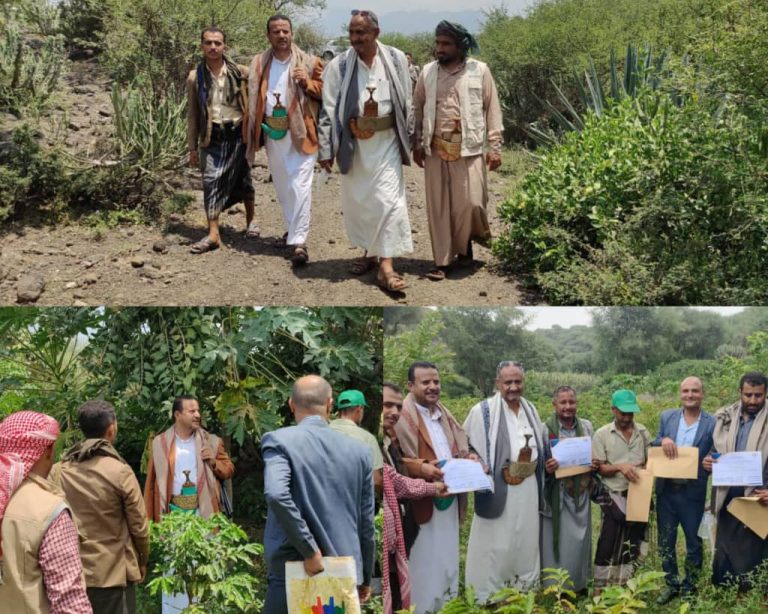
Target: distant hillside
(405, 22)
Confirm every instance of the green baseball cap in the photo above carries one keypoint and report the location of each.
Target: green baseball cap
(350, 398)
(625, 401)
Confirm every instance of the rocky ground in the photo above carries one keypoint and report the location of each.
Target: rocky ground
(151, 265)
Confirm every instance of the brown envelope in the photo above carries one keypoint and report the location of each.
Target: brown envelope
(684, 467)
(567, 472)
(751, 513)
(639, 497)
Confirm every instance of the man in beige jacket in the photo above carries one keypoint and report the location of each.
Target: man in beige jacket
(104, 495)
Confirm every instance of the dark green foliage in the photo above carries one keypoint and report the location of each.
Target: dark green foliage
(211, 561)
(650, 203)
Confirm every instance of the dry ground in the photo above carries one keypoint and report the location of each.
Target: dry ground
(151, 265)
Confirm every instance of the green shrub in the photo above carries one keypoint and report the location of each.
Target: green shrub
(28, 76)
(209, 560)
(82, 22)
(650, 203)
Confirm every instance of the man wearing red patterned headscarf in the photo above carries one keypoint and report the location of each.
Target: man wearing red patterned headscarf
(40, 568)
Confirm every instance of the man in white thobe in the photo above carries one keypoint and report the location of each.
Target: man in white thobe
(367, 125)
(506, 431)
(428, 434)
(285, 87)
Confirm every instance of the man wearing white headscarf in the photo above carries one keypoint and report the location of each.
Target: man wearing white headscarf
(40, 568)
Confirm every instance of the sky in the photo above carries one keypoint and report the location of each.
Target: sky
(547, 317)
(381, 7)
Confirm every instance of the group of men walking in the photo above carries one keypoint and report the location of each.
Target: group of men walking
(533, 520)
(74, 535)
(362, 112)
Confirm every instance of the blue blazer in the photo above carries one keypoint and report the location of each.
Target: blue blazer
(319, 489)
(670, 421)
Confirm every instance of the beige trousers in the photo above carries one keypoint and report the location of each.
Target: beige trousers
(457, 195)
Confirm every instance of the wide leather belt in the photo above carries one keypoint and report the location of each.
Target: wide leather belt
(365, 127)
(276, 123)
(449, 151)
(516, 473)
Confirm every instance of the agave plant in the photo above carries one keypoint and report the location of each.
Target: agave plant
(641, 72)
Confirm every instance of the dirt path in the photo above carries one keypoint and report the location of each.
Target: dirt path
(152, 266)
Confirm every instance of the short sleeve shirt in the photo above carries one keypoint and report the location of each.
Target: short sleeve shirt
(349, 428)
(609, 445)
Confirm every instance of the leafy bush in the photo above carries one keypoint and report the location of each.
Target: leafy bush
(209, 560)
(159, 41)
(526, 55)
(650, 203)
(28, 75)
(82, 22)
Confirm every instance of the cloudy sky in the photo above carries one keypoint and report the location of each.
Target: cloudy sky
(547, 317)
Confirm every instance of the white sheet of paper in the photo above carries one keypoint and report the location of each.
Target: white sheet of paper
(464, 475)
(573, 451)
(738, 469)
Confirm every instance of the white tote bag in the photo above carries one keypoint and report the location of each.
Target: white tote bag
(332, 591)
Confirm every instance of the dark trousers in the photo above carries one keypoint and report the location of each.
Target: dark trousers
(676, 506)
(738, 551)
(113, 600)
(276, 602)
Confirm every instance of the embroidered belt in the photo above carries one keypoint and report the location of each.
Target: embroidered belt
(276, 123)
(449, 151)
(516, 473)
(184, 502)
(365, 127)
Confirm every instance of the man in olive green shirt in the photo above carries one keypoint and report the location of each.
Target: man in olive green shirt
(351, 407)
(619, 448)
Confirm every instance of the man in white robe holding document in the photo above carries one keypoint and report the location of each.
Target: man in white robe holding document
(506, 432)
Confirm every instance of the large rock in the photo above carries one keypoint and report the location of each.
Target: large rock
(29, 287)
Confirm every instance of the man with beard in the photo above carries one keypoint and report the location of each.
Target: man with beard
(741, 427)
(681, 502)
(427, 434)
(506, 431)
(566, 532)
(619, 447)
(284, 92)
(457, 110)
(216, 103)
(183, 473)
(366, 125)
(398, 491)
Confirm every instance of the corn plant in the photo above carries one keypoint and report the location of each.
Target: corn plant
(150, 130)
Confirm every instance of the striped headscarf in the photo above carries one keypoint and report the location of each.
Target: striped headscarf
(24, 438)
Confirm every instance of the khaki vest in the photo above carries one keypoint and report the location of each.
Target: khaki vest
(31, 510)
(470, 90)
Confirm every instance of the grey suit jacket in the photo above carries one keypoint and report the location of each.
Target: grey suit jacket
(319, 488)
(670, 421)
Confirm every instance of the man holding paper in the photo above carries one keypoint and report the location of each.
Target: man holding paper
(427, 434)
(621, 448)
(678, 501)
(506, 432)
(741, 427)
(566, 521)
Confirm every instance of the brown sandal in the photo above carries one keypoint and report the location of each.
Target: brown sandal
(203, 245)
(300, 255)
(362, 265)
(391, 282)
(437, 274)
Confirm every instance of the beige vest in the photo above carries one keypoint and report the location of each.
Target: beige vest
(470, 86)
(31, 510)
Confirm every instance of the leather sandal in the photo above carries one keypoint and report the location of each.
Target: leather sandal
(300, 255)
(362, 265)
(203, 245)
(391, 282)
